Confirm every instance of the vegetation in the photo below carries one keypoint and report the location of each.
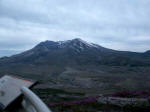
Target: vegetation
(63, 101)
(132, 94)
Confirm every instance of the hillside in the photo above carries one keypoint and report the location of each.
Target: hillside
(79, 64)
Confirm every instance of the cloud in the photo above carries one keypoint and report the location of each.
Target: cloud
(117, 24)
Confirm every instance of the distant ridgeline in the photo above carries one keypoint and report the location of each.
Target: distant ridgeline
(76, 52)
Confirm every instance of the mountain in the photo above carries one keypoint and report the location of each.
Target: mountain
(147, 52)
(79, 64)
(76, 52)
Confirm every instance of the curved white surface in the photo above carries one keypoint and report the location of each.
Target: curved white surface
(32, 101)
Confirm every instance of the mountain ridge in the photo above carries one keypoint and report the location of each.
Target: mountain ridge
(60, 43)
(77, 50)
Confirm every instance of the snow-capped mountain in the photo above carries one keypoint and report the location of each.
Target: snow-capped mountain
(75, 52)
(76, 44)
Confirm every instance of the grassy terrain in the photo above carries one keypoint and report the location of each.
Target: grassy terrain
(77, 83)
(63, 101)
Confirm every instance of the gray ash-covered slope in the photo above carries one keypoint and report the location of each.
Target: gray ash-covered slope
(76, 52)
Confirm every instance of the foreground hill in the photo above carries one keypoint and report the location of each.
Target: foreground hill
(78, 64)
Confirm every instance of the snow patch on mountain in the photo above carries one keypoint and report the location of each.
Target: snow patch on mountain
(78, 43)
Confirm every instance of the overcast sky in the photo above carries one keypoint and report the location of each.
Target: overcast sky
(115, 24)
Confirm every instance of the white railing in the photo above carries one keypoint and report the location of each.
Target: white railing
(32, 103)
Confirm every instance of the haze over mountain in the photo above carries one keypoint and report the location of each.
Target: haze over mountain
(120, 25)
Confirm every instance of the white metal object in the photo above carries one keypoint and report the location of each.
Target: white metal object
(33, 103)
(10, 89)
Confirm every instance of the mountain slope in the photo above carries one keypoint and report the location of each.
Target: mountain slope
(76, 64)
(76, 52)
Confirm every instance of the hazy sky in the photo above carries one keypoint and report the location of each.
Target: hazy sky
(116, 24)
